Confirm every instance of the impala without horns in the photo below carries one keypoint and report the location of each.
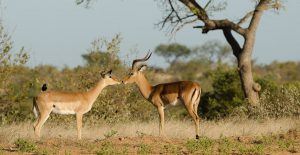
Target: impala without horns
(68, 102)
(187, 92)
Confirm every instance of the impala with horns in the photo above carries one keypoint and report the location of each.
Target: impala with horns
(77, 103)
(161, 95)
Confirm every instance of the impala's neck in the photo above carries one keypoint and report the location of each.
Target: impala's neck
(94, 92)
(144, 85)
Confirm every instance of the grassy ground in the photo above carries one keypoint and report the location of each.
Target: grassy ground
(232, 136)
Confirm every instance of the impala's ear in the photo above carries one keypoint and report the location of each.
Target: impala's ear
(142, 68)
(102, 74)
(109, 72)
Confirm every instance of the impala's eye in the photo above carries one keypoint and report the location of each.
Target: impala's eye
(110, 76)
(131, 73)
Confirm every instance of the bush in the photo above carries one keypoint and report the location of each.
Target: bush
(280, 101)
(225, 97)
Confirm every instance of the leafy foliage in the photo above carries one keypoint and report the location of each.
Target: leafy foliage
(225, 97)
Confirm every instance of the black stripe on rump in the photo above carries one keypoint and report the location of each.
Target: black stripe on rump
(193, 94)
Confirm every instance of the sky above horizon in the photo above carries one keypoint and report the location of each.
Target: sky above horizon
(58, 32)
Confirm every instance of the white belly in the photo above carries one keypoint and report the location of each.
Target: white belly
(63, 111)
(61, 108)
(174, 102)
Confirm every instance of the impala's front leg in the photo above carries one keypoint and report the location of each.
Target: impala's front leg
(161, 120)
(79, 124)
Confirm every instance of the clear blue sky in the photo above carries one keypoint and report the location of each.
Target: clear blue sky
(58, 32)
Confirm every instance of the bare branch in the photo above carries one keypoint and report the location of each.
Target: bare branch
(165, 20)
(207, 4)
(222, 24)
(186, 17)
(244, 19)
(174, 30)
(236, 48)
(173, 10)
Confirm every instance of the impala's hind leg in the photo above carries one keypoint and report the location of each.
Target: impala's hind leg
(79, 124)
(42, 119)
(191, 103)
(35, 123)
(161, 121)
(196, 119)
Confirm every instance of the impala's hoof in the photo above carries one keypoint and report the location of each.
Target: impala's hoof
(197, 136)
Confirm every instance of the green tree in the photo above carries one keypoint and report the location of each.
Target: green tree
(172, 52)
(104, 53)
(214, 51)
(8, 59)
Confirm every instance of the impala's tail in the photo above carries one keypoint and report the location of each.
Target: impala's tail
(44, 87)
(35, 107)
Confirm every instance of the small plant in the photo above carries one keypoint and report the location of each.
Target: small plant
(226, 145)
(203, 145)
(24, 145)
(140, 134)
(253, 149)
(144, 149)
(285, 144)
(170, 148)
(110, 133)
(107, 148)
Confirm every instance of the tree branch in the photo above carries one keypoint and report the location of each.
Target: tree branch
(173, 10)
(260, 8)
(196, 9)
(174, 30)
(222, 24)
(244, 19)
(186, 17)
(166, 19)
(236, 48)
(211, 24)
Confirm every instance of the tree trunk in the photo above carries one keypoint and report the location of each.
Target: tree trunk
(244, 58)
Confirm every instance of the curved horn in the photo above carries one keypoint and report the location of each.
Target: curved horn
(136, 61)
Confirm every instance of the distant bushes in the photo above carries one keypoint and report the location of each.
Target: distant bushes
(226, 99)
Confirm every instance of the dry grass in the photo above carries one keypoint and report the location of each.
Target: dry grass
(174, 129)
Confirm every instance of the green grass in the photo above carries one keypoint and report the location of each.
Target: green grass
(25, 145)
(144, 149)
(170, 148)
(204, 145)
(106, 149)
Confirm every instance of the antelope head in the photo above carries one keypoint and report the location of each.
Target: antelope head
(108, 78)
(137, 68)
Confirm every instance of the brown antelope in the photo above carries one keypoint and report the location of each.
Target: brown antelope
(165, 94)
(68, 102)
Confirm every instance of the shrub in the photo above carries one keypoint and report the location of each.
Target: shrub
(225, 97)
(281, 101)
